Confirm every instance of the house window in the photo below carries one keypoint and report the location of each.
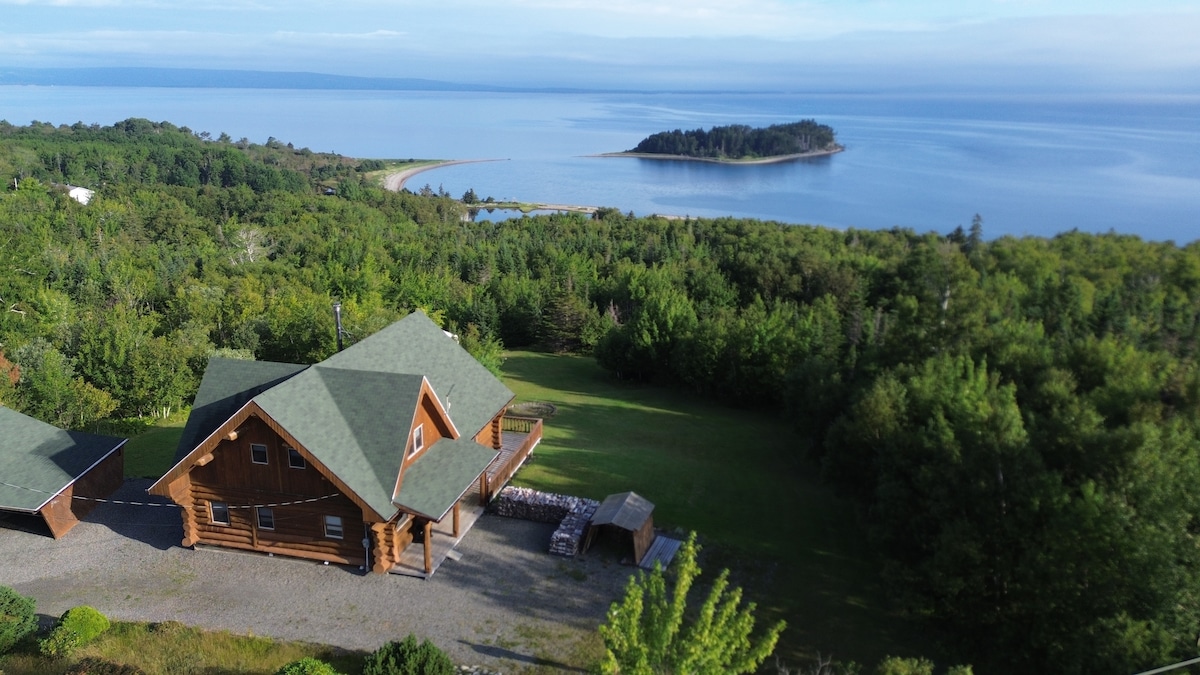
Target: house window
(418, 440)
(258, 453)
(295, 459)
(266, 518)
(218, 513)
(333, 527)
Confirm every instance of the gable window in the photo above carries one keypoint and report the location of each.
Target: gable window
(258, 453)
(218, 513)
(418, 440)
(333, 527)
(295, 459)
(266, 518)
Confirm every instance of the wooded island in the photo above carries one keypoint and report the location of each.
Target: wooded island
(739, 142)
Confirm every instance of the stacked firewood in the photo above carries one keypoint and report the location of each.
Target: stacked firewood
(567, 538)
(571, 513)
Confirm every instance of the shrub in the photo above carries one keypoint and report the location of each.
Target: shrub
(307, 666)
(96, 666)
(77, 627)
(408, 658)
(17, 618)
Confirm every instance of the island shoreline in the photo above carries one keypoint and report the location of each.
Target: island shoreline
(777, 159)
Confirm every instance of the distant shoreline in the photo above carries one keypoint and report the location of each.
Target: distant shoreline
(395, 181)
(777, 159)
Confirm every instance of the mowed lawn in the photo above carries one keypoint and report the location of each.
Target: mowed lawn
(734, 476)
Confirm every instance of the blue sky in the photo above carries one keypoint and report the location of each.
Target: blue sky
(769, 44)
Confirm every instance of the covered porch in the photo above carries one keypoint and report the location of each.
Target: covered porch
(520, 436)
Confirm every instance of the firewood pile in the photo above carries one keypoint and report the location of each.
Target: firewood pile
(571, 513)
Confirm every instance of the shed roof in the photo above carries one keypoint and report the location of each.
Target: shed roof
(440, 476)
(627, 510)
(415, 344)
(42, 460)
(354, 422)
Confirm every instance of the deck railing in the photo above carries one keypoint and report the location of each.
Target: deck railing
(532, 427)
(521, 425)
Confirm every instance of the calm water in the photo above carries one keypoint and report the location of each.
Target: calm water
(1029, 165)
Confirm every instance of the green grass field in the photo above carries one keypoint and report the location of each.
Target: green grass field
(734, 476)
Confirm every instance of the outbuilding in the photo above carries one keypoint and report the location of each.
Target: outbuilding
(54, 474)
(630, 516)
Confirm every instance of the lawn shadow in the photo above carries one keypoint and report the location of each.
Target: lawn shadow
(502, 653)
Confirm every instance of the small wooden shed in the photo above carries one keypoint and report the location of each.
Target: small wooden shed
(628, 514)
(43, 470)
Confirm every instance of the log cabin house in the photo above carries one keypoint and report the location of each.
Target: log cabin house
(350, 460)
(55, 475)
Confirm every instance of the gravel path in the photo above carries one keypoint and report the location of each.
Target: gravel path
(506, 605)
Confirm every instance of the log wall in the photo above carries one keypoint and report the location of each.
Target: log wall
(65, 511)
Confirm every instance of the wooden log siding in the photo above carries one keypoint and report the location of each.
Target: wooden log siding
(231, 477)
(299, 528)
(64, 511)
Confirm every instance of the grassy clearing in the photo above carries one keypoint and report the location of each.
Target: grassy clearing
(735, 477)
(149, 454)
(174, 649)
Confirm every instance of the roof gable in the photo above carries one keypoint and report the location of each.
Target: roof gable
(43, 460)
(415, 344)
(356, 423)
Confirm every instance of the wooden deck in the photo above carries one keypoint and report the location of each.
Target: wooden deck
(516, 449)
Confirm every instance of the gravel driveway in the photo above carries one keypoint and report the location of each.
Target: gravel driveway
(506, 605)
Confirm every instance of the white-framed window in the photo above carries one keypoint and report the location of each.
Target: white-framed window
(418, 440)
(218, 513)
(266, 518)
(295, 459)
(258, 453)
(333, 527)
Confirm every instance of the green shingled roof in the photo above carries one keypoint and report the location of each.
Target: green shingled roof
(353, 412)
(470, 393)
(43, 458)
(227, 385)
(354, 422)
(440, 476)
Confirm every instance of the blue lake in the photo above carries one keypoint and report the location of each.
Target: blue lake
(1028, 164)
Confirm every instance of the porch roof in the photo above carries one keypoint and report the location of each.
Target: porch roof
(441, 475)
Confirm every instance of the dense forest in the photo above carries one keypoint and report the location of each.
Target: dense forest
(1017, 419)
(742, 142)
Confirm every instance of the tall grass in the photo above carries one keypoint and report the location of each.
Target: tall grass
(172, 648)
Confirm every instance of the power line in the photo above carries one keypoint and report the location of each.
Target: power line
(1173, 666)
(126, 502)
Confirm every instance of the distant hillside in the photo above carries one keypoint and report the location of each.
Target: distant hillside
(739, 141)
(233, 79)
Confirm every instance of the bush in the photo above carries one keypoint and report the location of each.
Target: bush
(307, 666)
(96, 666)
(17, 618)
(408, 658)
(77, 627)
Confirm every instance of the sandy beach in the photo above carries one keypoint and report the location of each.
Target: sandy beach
(395, 181)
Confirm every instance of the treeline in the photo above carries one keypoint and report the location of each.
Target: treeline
(739, 141)
(150, 153)
(1018, 419)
